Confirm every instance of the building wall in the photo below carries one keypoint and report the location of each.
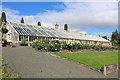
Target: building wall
(12, 36)
(31, 38)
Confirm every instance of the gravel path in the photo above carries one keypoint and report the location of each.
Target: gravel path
(33, 64)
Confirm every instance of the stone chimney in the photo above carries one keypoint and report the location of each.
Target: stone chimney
(56, 26)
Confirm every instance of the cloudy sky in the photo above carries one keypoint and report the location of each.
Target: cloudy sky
(97, 18)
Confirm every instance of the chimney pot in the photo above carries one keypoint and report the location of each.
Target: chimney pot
(56, 26)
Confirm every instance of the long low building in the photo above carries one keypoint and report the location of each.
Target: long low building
(18, 31)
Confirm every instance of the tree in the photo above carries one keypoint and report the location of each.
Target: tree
(114, 35)
(115, 38)
(66, 27)
(3, 18)
(105, 37)
(0, 22)
(22, 20)
(39, 23)
(114, 42)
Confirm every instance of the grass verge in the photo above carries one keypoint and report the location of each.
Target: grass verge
(6, 72)
(94, 60)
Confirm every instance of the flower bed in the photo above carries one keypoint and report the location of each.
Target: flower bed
(56, 45)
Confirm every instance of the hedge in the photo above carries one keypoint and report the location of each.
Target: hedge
(56, 45)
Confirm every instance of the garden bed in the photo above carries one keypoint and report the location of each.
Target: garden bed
(92, 50)
(80, 50)
(56, 46)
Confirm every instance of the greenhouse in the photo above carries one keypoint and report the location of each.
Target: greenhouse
(18, 31)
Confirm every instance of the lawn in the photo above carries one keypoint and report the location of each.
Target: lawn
(94, 60)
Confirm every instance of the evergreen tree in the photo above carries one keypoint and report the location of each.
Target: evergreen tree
(66, 27)
(115, 37)
(105, 37)
(39, 23)
(3, 18)
(0, 22)
(22, 20)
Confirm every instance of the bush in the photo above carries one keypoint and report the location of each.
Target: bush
(4, 30)
(46, 45)
(7, 73)
(4, 42)
(55, 45)
(23, 42)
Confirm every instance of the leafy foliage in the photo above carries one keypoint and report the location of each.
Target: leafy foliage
(23, 42)
(3, 18)
(5, 72)
(4, 44)
(39, 23)
(4, 30)
(55, 45)
(66, 27)
(115, 38)
(22, 20)
(105, 37)
(4, 41)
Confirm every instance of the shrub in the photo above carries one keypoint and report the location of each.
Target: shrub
(7, 73)
(4, 42)
(23, 42)
(4, 30)
(37, 44)
(55, 45)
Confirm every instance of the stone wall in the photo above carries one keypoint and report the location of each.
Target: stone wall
(110, 68)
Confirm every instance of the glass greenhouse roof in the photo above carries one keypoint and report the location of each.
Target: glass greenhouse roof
(24, 29)
(35, 30)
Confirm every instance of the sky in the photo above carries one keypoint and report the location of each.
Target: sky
(96, 18)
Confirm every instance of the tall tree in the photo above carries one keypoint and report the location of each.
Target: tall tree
(3, 18)
(66, 27)
(115, 38)
(114, 35)
(22, 20)
(39, 23)
(0, 22)
(105, 37)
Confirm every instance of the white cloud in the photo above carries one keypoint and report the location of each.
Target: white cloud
(78, 15)
(105, 34)
(84, 15)
(11, 14)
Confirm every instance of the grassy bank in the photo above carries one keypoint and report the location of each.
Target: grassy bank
(6, 72)
(95, 60)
